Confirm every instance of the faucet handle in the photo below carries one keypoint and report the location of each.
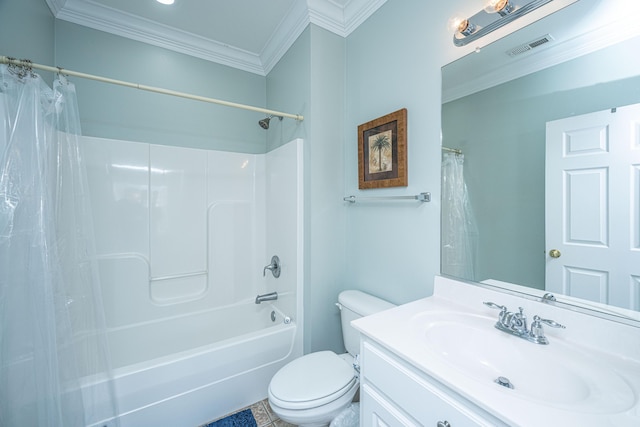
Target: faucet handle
(537, 332)
(496, 306)
(537, 319)
(274, 267)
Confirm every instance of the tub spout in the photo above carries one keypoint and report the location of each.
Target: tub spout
(267, 297)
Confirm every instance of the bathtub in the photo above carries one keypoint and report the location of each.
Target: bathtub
(181, 242)
(205, 382)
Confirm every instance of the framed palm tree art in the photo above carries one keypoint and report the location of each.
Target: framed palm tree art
(382, 151)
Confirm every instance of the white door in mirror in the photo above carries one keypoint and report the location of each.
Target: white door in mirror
(592, 206)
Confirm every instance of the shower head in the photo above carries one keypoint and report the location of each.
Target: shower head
(264, 123)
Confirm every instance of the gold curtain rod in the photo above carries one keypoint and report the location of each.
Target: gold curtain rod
(452, 150)
(30, 65)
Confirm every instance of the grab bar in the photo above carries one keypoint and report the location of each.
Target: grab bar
(267, 297)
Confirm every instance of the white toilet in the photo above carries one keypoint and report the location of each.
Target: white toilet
(312, 390)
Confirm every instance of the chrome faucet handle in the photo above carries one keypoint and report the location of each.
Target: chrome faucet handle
(268, 267)
(274, 267)
(537, 332)
(549, 322)
(496, 306)
(504, 316)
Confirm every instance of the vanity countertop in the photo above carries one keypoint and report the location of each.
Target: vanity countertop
(588, 374)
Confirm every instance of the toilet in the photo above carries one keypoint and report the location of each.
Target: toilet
(312, 390)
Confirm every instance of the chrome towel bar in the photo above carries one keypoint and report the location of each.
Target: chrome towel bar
(422, 197)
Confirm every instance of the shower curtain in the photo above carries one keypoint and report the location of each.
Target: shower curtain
(54, 364)
(459, 230)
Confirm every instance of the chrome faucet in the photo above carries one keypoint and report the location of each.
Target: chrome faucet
(266, 297)
(516, 324)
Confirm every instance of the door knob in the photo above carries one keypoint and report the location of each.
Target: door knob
(554, 253)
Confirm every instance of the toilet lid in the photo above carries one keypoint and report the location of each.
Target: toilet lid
(312, 377)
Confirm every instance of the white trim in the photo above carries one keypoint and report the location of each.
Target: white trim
(55, 5)
(293, 24)
(328, 14)
(99, 17)
(358, 11)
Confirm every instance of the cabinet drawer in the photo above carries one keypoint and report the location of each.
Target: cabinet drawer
(420, 397)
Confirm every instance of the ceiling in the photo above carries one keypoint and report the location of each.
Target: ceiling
(250, 35)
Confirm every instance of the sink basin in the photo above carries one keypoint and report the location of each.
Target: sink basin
(554, 374)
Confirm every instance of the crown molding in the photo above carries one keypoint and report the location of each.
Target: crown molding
(358, 11)
(55, 5)
(285, 35)
(93, 15)
(341, 20)
(328, 14)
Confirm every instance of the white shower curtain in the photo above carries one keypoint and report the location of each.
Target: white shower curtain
(459, 230)
(52, 330)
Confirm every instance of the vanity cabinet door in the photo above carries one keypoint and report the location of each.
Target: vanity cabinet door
(394, 393)
(376, 411)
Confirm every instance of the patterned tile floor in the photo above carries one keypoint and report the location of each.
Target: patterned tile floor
(264, 416)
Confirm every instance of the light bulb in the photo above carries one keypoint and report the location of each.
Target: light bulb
(165, 1)
(502, 7)
(454, 23)
(465, 27)
(461, 27)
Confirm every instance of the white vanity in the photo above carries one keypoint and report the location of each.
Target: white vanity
(441, 362)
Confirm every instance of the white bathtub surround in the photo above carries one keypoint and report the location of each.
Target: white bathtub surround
(588, 374)
(182, 239)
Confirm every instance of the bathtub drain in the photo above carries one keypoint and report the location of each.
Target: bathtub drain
(273, 316)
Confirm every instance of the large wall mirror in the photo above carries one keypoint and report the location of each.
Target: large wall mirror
(562, 89)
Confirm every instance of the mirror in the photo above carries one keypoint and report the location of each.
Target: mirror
(496, 104)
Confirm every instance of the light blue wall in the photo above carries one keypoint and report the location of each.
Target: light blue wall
(123, 113)
(289, 89)
(505, 164)
(26, 31)
(393, 62)
(327, 235)
(310, 80)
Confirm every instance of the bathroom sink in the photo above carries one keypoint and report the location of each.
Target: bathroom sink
(555, 374)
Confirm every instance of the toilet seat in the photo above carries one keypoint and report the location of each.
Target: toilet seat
(311, 381)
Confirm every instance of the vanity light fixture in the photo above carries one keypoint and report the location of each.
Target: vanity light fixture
(165, 1)
(495, 14)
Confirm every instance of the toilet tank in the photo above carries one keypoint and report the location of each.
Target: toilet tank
(354, 305)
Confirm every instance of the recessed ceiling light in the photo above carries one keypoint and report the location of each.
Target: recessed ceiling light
(165, 1)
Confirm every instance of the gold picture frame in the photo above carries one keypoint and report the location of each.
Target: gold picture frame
(382, 151)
